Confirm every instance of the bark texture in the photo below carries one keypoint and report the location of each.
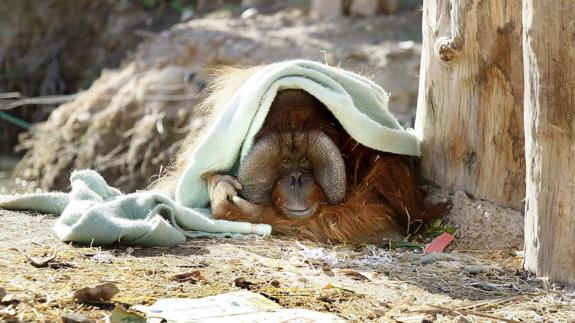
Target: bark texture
(470, 104)
(549, 55)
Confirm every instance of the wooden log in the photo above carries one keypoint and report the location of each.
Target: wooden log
(364, 8)
(470, 103)
(326, 9)
(549, 55)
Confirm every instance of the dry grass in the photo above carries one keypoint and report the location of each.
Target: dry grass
(362, 283)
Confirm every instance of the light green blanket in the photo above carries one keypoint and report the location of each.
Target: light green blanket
(359, 104)
(96, 213)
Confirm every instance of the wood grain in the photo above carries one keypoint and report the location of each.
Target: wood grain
(549, 54)
(470, 104)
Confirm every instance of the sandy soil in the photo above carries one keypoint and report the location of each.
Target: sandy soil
(364, 283)
(481, 225)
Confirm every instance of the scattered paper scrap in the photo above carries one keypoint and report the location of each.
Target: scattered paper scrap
(438, 244)
(242, 306)
(123, 315)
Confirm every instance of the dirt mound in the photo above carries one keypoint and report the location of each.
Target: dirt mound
(482, 225)
(130, 122)
(54, 47)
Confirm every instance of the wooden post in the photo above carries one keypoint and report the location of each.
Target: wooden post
(549, 55)
(320, 9)
(470, 104)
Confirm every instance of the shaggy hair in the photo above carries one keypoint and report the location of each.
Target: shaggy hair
(383, 198)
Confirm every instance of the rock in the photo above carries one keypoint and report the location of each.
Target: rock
(407, 45)
(249, 13)
(187, 14)
(9, 299)
(102, 292)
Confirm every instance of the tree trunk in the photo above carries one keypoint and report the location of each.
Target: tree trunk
(326, 8)
(549, 54)
(470, 104)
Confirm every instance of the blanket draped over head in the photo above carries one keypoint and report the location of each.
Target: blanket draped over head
(98, 214)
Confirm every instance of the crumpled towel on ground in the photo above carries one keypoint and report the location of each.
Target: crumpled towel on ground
(95, 213)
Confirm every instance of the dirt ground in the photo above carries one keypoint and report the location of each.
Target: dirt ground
(362, 283)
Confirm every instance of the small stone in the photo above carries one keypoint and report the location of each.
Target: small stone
(103, 292)
(408, 44)
(474, 270)
(187, 14)
(8, 311)
(380, 311)
(249, 13)
(103, 258)
(9, 299)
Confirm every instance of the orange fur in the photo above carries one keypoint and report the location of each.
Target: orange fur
(384, 199)
(386, 202)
